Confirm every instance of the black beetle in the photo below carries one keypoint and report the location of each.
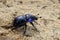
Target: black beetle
(20, 21)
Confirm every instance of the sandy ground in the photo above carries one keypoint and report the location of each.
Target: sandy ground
(49, 10)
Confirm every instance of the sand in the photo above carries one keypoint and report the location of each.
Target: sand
(48, 10)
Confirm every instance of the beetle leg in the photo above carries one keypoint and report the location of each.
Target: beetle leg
(14, 28)
(7, 27)
(35, 22)
(34, 26)
(25, 29)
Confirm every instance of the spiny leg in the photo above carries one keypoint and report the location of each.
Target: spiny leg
(34, 26)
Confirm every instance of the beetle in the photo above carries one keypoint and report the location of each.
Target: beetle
(22, 20)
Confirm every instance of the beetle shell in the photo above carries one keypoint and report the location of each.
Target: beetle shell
(23, 19)
(19, 21)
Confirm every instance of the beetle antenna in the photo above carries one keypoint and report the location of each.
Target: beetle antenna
(37, 16)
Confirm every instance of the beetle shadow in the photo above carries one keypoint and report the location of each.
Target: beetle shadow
(16, 31)
(30, 30)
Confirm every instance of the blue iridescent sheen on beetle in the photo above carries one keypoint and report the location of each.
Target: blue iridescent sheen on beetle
(22, 20)
(19, 21)
(31, 18)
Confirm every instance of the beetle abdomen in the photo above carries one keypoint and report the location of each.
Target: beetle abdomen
(19, 21)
